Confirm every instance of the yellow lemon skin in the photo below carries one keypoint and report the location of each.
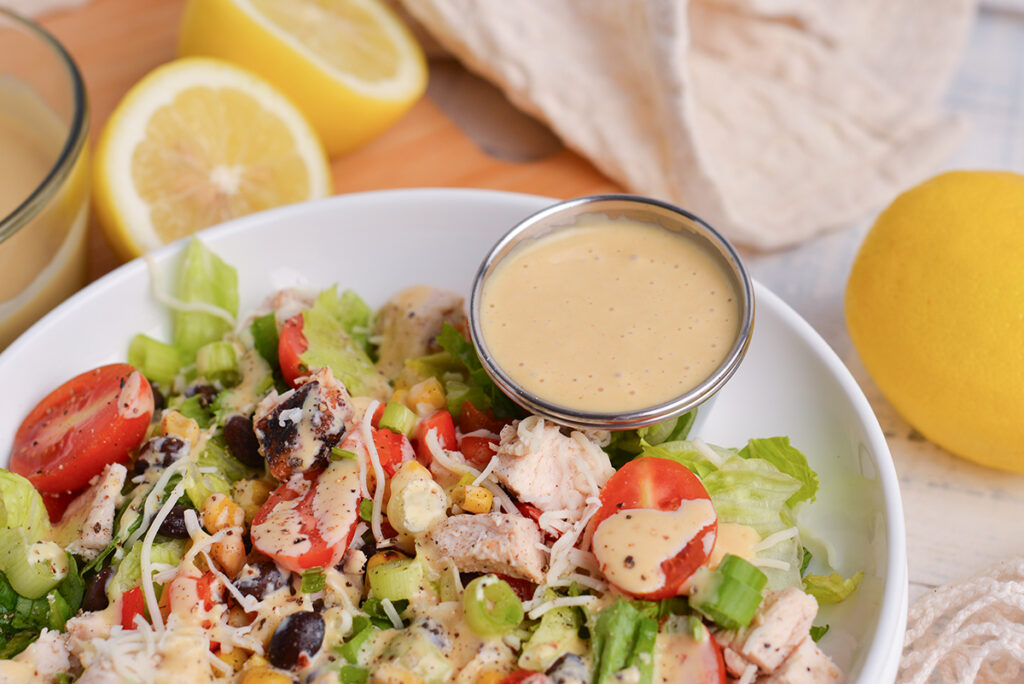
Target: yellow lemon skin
(935, 308)
(343, 114)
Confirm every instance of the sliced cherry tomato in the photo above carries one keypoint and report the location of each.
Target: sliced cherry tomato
(525, 677)
(94, 419)
(56, 504)
(442, 422)
(132, 603)
(659, 484)
(472, 419)
(691, 660)
(477, 450)
(291, 345)
(377, 413)
(392, 449)
(308, 521)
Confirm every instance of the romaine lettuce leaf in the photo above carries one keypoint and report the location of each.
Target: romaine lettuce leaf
(789, 460)
(463, 351)
(831, 588)
(129, 570)
(21, 507)
(205, 278)
(331, 343)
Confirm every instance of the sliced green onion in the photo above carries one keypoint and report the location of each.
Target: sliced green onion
(158, 361)
(218, 361)
(366, 509)
(313, 580)
(742, 570)
(362, 628)
(352, 674)
(491, 606)
(32, 569)
(395, 580)
(819, 631)
(730, 594)
(397, 417)
(264, 337)
(339, 454)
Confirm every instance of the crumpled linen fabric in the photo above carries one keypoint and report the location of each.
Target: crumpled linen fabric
(774, 120)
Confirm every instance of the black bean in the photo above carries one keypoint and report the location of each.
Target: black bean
(242, 442)
(259, 578)
(95, 597)
(296, 640)
(173, 525)
(568, 669)
(158, 402)
(207, 393)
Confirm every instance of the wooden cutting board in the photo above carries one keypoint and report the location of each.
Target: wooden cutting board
(116, 42)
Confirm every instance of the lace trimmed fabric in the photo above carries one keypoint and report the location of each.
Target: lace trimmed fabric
(968, 632)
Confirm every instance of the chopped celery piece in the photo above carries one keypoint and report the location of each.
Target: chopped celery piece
(218, 361)
(158, 361)
(366, 509)
(203, 278)
(397, 417)
(313, 580)
(264, 337)
(491, 606)
(730, 594)
(395, 580)
(352, 674)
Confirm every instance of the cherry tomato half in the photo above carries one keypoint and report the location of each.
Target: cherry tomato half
(663, 485)
(91, 420)
(291, 345)
(440, 421)
(478, 450)
(308, 521)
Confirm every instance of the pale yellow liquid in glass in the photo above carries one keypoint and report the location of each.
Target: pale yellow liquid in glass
(44, 261)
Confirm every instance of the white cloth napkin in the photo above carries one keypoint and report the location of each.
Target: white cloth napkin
(774, 120)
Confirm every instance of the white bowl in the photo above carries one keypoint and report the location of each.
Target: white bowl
(791, 383)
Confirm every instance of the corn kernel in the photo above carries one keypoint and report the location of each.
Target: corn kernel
(382, 557)
(473, 498)
(251, 495)
(186, 429)
(229, 552)
(426, 397)
(265, 675)
(220, 512)
(399, 395)
(235, 658)
(491, 677)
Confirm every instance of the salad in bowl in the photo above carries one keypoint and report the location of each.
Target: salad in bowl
(317, 491)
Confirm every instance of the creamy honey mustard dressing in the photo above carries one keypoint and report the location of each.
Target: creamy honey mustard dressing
(734, 538)
(610, 315)
(632, 544)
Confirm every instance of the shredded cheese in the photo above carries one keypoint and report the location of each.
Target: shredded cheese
(773, 539)
(561, 558)
(749, 675)
(389, 610)
(378, 488)
(152, 501)
(486, 472)
(559, 602)
(145, 562)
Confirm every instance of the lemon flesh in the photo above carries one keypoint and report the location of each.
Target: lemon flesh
(935, 308)
(195, 143)
(351, 66)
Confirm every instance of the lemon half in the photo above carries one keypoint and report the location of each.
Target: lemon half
(197, 142)
(351, 66)
(935, 308)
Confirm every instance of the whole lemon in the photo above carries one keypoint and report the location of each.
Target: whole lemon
(935, 307)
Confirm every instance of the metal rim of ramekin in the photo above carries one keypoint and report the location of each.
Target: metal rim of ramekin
(564, 215)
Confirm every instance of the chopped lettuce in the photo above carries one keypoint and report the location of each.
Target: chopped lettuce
(21, 619)
(831, 588)
(623, 638)
(129, 570)
(203, 277)
(789, 460)
(334, 332)
(477, 388)
(21, 507)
